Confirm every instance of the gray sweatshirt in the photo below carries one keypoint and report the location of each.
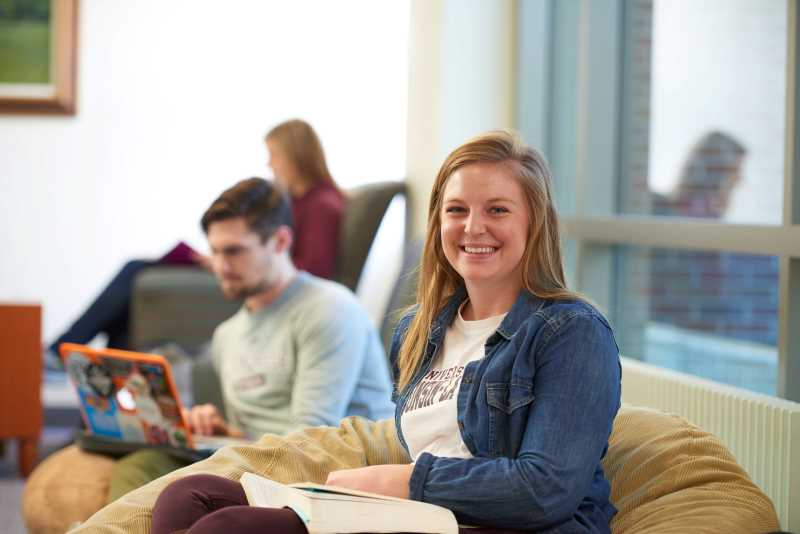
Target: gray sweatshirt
(310, 358)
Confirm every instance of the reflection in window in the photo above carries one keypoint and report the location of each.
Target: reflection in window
(713, 314)
(709, 177)
(704, 92)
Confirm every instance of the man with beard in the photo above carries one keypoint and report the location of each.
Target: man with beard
(300, 352)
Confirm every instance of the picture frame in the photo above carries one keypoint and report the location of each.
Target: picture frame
(55, 90)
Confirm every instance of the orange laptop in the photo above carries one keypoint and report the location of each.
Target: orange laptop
(128, 400)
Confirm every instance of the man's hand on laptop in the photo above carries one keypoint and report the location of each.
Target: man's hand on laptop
(206, 420)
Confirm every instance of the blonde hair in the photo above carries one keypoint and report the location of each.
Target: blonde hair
(302, 147)
(543, 272)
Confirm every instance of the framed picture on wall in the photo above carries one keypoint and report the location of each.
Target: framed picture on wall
(38, 45)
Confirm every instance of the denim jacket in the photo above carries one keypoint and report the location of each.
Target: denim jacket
(536, 414)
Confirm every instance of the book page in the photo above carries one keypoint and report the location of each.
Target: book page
(343, 513)
(338, 490)
(332, 509)
(263, 492)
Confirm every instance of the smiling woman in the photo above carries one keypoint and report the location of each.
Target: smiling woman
(507, 382)
(484, 233)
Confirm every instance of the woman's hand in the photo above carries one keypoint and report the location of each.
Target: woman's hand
(391, 480)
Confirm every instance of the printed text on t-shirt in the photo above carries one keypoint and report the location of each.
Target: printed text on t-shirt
(436, 386)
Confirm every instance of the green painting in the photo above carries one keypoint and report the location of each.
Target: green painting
(25, 41)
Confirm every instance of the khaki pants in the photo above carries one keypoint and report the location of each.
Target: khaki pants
(138, 468)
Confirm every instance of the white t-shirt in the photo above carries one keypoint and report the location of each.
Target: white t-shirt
(430, 416)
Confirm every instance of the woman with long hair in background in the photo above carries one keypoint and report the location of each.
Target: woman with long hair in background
(298, 163)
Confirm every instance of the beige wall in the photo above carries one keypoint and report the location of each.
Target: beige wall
(461, 83)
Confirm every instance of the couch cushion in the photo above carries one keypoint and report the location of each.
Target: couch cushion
(668, 475)
(69, 486)
(171, 304)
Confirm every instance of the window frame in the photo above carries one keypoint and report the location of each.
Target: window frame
(588, 125)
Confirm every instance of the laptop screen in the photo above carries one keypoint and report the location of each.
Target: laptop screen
(129, 396)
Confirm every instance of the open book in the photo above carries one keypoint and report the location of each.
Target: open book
(330, 509)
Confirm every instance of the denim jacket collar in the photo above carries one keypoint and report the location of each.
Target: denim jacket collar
(524, 306)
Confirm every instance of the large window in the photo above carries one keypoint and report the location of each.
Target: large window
(704, 87)
(665, 122)
(709, 313)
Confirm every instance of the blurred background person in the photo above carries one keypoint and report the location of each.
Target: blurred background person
(298, 162)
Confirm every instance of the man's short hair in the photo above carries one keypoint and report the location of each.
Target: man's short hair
(263, 205)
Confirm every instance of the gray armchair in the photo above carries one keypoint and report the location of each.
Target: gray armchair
(171, 304)
(366, 206)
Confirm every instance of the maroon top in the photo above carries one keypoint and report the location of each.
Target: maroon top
(180, 254)
(317, 217)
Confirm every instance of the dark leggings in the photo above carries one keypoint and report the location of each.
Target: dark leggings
(208, 504)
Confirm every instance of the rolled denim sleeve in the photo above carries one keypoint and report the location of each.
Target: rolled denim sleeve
(576, 388)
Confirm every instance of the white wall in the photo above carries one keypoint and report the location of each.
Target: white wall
(173, 101)
(461, 84)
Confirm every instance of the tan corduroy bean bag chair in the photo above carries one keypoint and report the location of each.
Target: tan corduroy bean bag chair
(667, 476)
(67, 488)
